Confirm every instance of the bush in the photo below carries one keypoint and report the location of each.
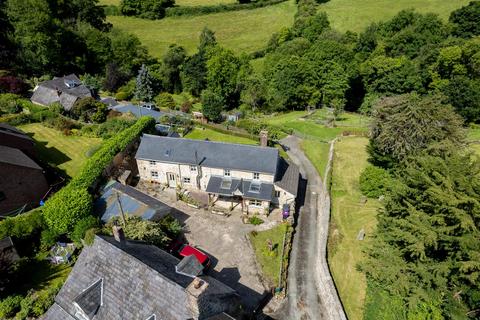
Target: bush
(10, 103)
(22, 225)
(126, 91)
(48, 239)
(61, 123)
(255, 220)
(254, 127)
(165, 100)
(82, 227)
(10, 306)
(138, 229)
(68, 206)
(107, 129)
(186, 106)
(122, 95)
(374, 181)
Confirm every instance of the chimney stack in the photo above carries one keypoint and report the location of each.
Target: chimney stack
(118, 234)
(263, 138)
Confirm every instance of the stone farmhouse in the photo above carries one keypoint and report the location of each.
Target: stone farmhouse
(65, 90)
(253, 178)
(115, 279)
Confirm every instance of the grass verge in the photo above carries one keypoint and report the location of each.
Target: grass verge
(317, 153)
(68, 153)
(349, 216)
(270, 261)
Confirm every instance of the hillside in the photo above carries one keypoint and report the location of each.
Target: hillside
(355, 15)
(242, 31)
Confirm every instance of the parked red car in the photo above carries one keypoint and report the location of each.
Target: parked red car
(187, 250)
(181, 249)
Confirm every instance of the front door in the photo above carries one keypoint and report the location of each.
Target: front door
(171, 180)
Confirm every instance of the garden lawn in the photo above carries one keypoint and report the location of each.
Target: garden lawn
(68, 153)
(241, 31)
(270, 261)
(473, 133)
(203, 133)
(317, 153)
(349, 216)
(356, 15)
(177, 2)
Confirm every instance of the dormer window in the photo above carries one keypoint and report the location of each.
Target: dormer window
(226, 172)
(89, 301)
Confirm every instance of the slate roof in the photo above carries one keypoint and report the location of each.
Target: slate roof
(8, 253)
(241, 187)
(133, 202)
(17, 158)
(11, 130)
(209, 154)
(138, 280)
(138, 111)
(288, 176)
(109, 101)
(56, 90)
(90, 300)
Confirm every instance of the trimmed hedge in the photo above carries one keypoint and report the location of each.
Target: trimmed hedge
(73, 203)
(201, 10)
(23, 225)
(93, 168)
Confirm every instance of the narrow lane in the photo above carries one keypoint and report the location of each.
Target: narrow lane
(311, 291)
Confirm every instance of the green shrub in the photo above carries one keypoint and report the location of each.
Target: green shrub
(61, 123)
(22, 225)
(122, 95)
(90, 236)
(165, 100)
(107, 129)
(10, 103)
(374, 181)
(82, 227)
(48, 239)
(10, 306)
(42, 300)
(254, 127)
(255, 220)
(68, 206)
(138, 229)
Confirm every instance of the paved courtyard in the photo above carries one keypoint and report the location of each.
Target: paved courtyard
(224, 239)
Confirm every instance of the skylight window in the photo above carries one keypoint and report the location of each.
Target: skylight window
(254, 187)
(226, 184)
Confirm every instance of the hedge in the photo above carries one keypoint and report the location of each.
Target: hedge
(201, 10)
(93, 168)
(22, 225)
(73, 203)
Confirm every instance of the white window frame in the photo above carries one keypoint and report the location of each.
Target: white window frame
(152, 162)
(154, 174)
(227, 173)
(255, 203)
(256, 176)
(193, 168)
(187, 180)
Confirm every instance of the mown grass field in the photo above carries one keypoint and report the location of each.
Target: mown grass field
(355, 15)
(270, 261)
(317, 153)
(177, 2)
(349, 216)
(241, 31)
(68, 153)
(203, 133)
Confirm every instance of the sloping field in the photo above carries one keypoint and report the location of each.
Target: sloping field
(241, 31)
(355, 15)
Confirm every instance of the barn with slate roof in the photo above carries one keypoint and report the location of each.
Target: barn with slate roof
(114, 280)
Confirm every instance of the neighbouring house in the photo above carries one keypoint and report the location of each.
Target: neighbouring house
(66, 90)
(109, 102)
(252, 178)
(15, 138)
(138, 111)
(22, 181)
(8, 253)
(118, 198)
(166, 130)
(198, 116)
(118, 279)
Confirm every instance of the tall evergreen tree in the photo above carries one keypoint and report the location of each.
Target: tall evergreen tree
(144, 88)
